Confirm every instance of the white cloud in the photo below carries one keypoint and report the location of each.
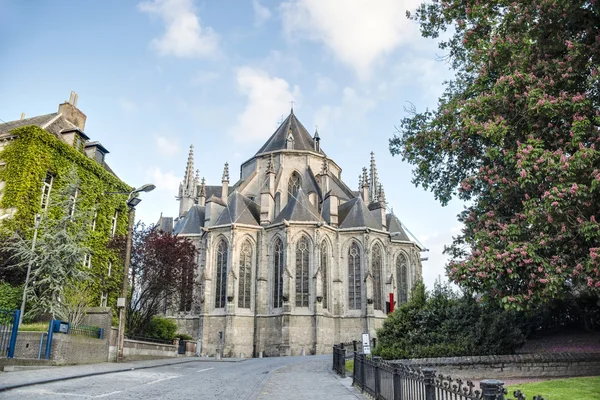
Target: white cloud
(184, 36)
(127, 105)
(352, 105)
(261, 13)
(268, 98)
(166, 146)
(358, 32)
(201, 77)
(325, 85)
(164, 181)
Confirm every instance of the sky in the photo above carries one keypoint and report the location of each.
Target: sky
(156, 76)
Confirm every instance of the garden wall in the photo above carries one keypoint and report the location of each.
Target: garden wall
(512, 366)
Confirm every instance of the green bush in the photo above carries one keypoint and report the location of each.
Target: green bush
(184, 336)
(161, 328)
(445, 324)
(10, 296)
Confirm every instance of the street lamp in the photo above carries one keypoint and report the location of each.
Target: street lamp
(132, 201)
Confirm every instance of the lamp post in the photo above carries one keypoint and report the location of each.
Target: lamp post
(38, 219)
(132, 201)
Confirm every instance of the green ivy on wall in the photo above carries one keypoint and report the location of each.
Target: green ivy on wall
(28, 159)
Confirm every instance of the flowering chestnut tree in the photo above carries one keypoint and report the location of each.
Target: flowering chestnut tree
(515, 135)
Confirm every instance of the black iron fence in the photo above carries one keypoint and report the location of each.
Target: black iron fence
(85, 330)
(339, 360)
(384, 381)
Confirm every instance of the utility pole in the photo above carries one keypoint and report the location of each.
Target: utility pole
(38, 219)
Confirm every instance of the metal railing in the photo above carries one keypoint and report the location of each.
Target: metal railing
(384, 381)
(339, 360)
(89, 331)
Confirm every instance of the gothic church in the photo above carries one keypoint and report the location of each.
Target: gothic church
(291, 260)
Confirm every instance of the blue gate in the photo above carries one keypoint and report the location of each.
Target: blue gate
(9, 327)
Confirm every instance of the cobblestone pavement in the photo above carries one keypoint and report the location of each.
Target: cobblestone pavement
(268, 378)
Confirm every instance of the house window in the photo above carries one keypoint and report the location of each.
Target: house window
(376, 268)
(294, 184)
(94, 219)
(401, 274)
(221, 287)
(87, 261)
(113, 226)
(99, 157)
(245, 275)
(72, 201)
(324, 268)
(354, 283)
(278, 275)
(46, 187)
(103, 299)
(302, 273)
(78, 143)
(109, 268)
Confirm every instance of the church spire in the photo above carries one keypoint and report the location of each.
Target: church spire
(225, 182)
(188, 178)
(365, 186)
(373, 180)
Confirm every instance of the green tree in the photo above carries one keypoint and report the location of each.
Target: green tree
(516, 136)
(59, 254)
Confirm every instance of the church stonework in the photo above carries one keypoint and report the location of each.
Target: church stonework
(291, 260)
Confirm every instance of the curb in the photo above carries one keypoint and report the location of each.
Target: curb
(4, 388)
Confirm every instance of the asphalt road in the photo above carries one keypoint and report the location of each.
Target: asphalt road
(286, 378)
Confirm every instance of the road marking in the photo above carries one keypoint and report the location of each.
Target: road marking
(50, 392)
(108, 394)
(205, 369)
(162, 379)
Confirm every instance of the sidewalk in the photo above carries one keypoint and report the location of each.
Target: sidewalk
(13, 380)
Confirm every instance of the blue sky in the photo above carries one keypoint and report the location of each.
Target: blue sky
(155, 76)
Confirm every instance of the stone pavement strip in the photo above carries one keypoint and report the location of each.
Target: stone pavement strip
(308, 380)
(13, 380)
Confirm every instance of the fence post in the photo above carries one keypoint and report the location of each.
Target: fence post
(377, 383)
(397, 382)
(492, 389)
(363, 378)
(354, 346)
(429, 376)
(13, 335)
(49, 340)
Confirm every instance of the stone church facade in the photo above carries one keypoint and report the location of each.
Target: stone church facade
(291, 260)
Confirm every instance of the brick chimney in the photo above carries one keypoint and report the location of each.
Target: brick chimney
(71, 113)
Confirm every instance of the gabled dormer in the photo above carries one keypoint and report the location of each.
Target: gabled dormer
(96, 151)
(75, 137)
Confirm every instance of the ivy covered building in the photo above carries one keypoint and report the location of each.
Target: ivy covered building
(291, 259)
(36, 156)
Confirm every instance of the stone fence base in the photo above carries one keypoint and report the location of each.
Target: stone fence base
(513, 366)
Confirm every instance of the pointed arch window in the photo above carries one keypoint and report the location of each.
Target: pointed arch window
(354, 283)
(402, 274)
(294, 184)
(376, 265)
(221, 284)
(245, 275)
(324, 271)
(302, 273)
(278, 274)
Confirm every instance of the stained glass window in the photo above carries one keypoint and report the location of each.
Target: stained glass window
(221, 284)
(354, 283)
(278, 275)
(245, 275)
(302, 273)
(324, 268)
(376, 268)
(401, 274)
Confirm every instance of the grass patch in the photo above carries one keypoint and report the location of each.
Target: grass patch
(35, 327)
(587, 388)
(350, 365)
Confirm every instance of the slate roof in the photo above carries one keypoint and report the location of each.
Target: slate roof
(302, 139)
(340, 189)
(239, 210)
(394, 226)
(165, 224)
(191, 223)
(299, 208)
(355, 214)
(39, 120)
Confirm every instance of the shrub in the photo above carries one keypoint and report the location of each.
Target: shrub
(161, 328)
(10, 296)
(184, 336)
(444, 323)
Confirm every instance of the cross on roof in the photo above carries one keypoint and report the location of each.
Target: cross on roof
(292, 103)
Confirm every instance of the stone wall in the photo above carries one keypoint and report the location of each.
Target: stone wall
(74, 349)
(513, 366)
(138, 350)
